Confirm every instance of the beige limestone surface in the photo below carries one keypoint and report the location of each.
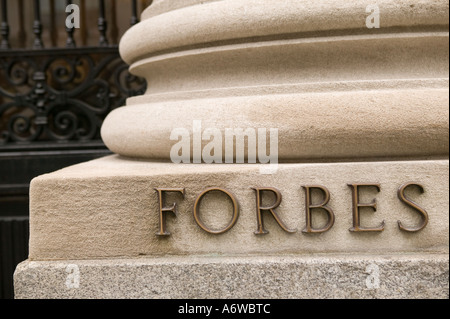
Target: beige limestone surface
(161, 6)
(314, 126)
(109, 208)
(216, 22)
(311, 69)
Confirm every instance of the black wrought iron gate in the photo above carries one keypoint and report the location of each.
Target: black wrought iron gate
(53, 99)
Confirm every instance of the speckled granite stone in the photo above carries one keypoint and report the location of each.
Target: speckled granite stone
(400, 276)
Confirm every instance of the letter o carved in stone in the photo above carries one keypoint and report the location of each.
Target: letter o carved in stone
(197, 211)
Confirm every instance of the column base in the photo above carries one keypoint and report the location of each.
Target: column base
(100, 221)
(110, 208)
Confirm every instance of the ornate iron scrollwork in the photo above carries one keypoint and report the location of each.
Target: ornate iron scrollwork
(61, 94)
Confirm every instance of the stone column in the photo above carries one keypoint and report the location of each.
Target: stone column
(334, 186)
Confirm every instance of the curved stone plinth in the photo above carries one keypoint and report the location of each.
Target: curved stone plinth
(215, 23)
(312, 70)
(314, 126)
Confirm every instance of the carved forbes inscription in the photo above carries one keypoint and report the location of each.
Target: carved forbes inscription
(309, 209)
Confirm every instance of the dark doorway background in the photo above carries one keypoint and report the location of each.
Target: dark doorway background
(56, 87)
